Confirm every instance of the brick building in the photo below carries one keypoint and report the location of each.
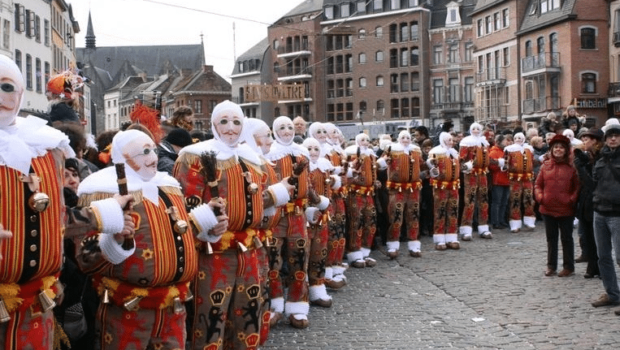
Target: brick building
(496, 58)
(296, 57)
(253, 68)
(613, 99)
(451, 63)
(427, 61)
(564, 48)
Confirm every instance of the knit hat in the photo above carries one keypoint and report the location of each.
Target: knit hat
(560, 138)
(179, 137)
(612, 126)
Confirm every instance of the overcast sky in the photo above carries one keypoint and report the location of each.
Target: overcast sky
(155, 22)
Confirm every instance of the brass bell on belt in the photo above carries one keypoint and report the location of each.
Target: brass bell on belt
(38, 201)
(180, 226)
(189, 296)
(328, 181)
(178, 305)
(132, 304)
(252, 188)
(106, 297)
(46, 302)
(242, 247)
(257, 242)
(4, 313)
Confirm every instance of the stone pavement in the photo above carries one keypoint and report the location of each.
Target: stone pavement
(490, 294)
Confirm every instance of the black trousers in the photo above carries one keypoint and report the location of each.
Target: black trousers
(562, 227)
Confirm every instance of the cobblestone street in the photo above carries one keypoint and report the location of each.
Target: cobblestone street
(490, 294)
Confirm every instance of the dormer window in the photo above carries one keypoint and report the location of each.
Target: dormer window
(345, 10)
(329, 12)
(453, 16)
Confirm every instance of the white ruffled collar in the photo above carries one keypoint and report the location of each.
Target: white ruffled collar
(518, 148)
(224, 152)
(442, 150)
(279, 151)
(400, 148)
(352, 150)
(105, 181)
(473, 141)
(30, 138)
(326, 149)
(322, 164)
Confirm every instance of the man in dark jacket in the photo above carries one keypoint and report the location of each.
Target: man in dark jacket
(606, 203)
(169, 148)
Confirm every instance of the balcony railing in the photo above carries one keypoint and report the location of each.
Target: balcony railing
(291, 71)
(293, 48)
(614, 90)
(452, 99)
(492, 75)
(543, 60)
(488, 113)
(541, 104)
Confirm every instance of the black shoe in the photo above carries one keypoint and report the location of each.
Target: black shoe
(499, 227)
(581, 259)
(589, 275)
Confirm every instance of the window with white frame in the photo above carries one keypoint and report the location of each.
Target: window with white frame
(377, 5)
(6, 34)
(497, 21)
(345, 10)
(379, 32)
(329, 12)
(28, 72)
(414, 30)
(469, 52)
(549, 5)
(380, 80)
(438, 91)
(437, 55)
(362, 82)
(361, 6)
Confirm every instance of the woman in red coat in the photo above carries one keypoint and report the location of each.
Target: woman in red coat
(556, 190)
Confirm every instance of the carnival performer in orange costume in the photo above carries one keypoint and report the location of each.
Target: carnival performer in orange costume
(322, 182)
(227, 288)
(143, 286)
(443, 162)
(32, 219)
(474, 155)
(362, 214)
(519, 160)
(258, 136)
(328, 137)
(292, 228)
(404, 184)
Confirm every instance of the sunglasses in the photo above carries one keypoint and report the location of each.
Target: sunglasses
(7, 87)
